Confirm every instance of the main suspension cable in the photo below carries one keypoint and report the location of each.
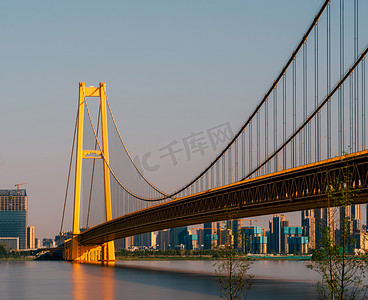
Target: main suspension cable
(111, 171)
(69, 171)
(311, 116)
(127, 152)
(273, 86)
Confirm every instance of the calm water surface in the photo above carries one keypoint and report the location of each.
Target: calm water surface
(148, 280)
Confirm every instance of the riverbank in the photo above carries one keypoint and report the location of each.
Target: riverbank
(25, 258)
(208, 257)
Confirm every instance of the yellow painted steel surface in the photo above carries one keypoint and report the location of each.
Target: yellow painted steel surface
(73, 250)
(105, 150)
(79, 156)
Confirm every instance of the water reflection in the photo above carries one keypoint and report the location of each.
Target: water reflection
(92, 283)
(145, 280)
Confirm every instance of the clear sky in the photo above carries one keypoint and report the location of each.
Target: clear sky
(171, 67)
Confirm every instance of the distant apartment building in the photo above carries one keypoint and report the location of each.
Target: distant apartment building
(62, 237)
(254, 240)
(129, 242)
(224, 237)
(38, 243)
(308, 223)
(31, 237)
(274, 240)
(210, 237)
(48, 243)
(323, 218)
(200, 238)
(191, 241)
(145, 240)
(293, 240)
(235, 230)
(285, 239)
(13, 215)
(163, 240)
(177, 237)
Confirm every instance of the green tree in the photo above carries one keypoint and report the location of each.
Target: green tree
(232, 269)
(3, 251)
(342, 271)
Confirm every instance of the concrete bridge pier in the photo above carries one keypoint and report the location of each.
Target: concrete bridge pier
(74, 251)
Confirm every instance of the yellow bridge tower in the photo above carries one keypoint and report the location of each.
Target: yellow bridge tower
(73, 250)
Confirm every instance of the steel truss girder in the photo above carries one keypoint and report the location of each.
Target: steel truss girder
(294, 190)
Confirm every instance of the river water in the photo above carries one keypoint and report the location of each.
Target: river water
(148, 280)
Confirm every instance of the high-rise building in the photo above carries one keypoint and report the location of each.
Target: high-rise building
(37, 243)
(119, 244)
(293, 241)
(356, 218)
(13, 215)
(278, 221)
(145, 240)
(224, 237)
(200, 238)
(48, 243)
(309, 227)
(323, 218)
(235, 231)
(177, 237)
(62, 237)
(254, 240)
(209, 232)
(191, 241)
(162, 239)
(31, 237)
(129, 242)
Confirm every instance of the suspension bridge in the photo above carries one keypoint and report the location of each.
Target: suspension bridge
(305, 138)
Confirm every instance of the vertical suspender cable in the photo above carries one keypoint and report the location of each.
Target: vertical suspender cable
(284, 120)
(229, 167)
(305, 104)
(329, 80)
(266, 135)
(212, 177)
(341, 90)
(258, 142)
(223, 169)
(243, 154)
(275, 127)
(69, 172)
(236, 161)
(356, 79)
(294, 113)
(363, 104)
(250, 146)
(317, 121)
(351, 113)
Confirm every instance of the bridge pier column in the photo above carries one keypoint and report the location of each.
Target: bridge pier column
(108, 252)
(74, 251)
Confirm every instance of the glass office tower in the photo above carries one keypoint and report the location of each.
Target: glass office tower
(13, 215)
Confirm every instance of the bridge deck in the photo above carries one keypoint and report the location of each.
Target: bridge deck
(295, 189)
